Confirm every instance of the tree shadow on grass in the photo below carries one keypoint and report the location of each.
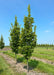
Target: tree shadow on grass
(32, 64)
(1, 70)
(20, 59)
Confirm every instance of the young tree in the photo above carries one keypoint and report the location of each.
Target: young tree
(14, 36)
(28, 37)
(1, 42)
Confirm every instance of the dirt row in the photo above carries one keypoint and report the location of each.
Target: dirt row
(19, 67)
(43, 60)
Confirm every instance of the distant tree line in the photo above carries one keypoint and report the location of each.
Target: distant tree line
(44, 45)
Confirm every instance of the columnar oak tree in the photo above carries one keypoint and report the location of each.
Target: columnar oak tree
(1, 42)
(14, 36)
(28, 36)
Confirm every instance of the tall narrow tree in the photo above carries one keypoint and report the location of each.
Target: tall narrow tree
(14, 36)
(1, 42)
(28, 37)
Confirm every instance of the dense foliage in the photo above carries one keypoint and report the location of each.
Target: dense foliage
(28, 36)
(14, 36)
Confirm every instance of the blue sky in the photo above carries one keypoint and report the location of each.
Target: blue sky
(41, 10)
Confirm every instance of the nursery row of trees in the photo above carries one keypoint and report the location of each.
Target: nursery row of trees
(23, 40)
(1, 42)
(44, 45)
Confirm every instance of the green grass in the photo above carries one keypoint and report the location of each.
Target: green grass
(1, 51)
(44, 53)
(36, 65)
(5, 68)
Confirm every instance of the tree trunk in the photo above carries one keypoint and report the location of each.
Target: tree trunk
(27, 66)
(15, 58)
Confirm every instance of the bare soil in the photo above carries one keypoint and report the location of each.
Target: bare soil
(19, 67)
(43, 60)
(5, 49)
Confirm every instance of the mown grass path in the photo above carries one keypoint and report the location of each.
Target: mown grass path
(43, 60)
(37, 63)
(19, 67)
(4, 68)
(43, 53)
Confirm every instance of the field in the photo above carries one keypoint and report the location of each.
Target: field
(44, 53)
(6, 69)
(42, 60)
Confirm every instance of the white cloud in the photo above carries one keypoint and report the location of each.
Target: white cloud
(47, 31)
(53, 22)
